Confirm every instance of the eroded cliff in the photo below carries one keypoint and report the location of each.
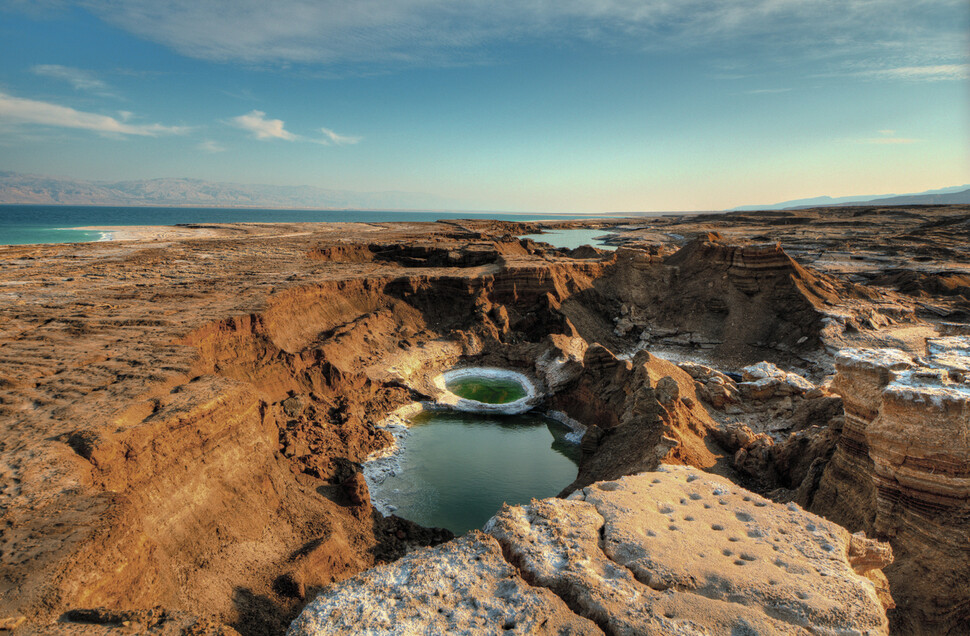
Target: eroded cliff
(901, 471)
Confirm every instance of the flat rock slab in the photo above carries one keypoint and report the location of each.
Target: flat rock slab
(462, 587)
(676, 551)
(682, 551)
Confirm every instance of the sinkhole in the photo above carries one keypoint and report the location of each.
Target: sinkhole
(458, 461)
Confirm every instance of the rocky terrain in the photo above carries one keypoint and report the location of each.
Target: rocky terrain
(676, 551)
(182, 421)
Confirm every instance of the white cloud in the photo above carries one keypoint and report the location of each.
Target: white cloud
(211, 146)
(28, 111)
(330, 137)
(268, 129)
(255, 122)
(448, 32)
(768, 91)
(80, 79)
(933, 72)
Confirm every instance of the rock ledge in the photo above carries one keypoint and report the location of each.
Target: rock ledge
(676, 551)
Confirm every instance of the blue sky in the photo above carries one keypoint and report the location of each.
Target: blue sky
(566, 106)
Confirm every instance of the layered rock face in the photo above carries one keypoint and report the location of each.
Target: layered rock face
(671, 552)
(738, 303)
(902, 471)
(730, 297)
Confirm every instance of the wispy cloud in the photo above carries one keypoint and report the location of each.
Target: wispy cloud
(330, 137)
(211, 146)
(28, 111)
(80, 79)
(936, 72)
(448, 32)
(260, 127)
(255, 122)
(767, 91)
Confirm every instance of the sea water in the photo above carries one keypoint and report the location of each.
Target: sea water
(23, 224)
(457, 469)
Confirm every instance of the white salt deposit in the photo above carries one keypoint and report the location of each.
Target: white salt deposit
(447, 399)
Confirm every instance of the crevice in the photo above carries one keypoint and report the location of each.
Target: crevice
(561, 591)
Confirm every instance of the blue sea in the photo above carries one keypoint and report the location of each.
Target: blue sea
(25, 224)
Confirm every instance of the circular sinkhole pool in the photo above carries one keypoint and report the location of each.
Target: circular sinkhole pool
(490, 390)
(455, 469)
(486, 390)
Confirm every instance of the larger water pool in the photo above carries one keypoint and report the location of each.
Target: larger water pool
(571, 239)
(457, 469)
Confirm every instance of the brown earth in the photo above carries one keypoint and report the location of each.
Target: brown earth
(182, 422)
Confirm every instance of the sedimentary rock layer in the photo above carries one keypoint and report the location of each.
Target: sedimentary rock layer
(901, 471)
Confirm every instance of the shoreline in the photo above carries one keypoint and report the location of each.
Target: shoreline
(144, 232)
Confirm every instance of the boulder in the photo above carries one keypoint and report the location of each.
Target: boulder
(461, 587)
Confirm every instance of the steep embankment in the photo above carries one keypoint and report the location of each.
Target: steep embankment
(901, 471)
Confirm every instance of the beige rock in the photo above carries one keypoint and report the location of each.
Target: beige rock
(462, 587)
(902, 471)
(681, 551)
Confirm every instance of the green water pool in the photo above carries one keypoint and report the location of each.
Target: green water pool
(456, 469)
(488, 390)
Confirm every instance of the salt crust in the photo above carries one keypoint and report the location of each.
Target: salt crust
(449, 400)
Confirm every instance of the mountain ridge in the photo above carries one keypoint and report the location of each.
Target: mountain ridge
(940, 196)
(28, 189)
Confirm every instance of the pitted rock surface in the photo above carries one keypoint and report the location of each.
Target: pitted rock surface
(682, 551)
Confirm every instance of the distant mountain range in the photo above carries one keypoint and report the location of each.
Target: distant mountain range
(943, 196)
(17, 188)
(27, 189)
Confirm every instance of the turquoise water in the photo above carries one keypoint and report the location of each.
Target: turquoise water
(458, 468)
(23, 224)
(571, 239)
(488, 390)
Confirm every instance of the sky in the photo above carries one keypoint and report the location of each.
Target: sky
(502, 105)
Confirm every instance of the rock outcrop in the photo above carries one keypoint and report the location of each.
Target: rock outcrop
(780, 428)
(739, 303)
(676, 551)
(638, 413)
(462, 587)
(901, 471)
